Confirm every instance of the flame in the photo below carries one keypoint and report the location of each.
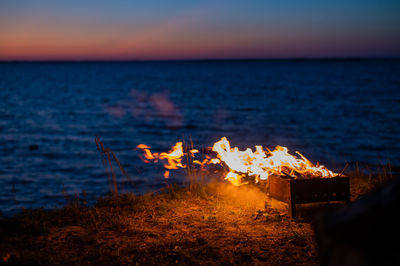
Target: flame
(166, 174)
(235, 179)
(258, 164)
(171, 159)
(263, 163)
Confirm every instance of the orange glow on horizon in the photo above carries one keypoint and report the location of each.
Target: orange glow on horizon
(170, 39)
(181, 37)
(80, 30)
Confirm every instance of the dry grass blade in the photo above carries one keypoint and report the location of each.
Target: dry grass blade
(100, 148)
(344, 169)
(121, 167)
(114, 177)
(110, 155)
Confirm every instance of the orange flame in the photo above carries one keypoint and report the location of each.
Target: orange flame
(166, 174)
(263, 163)
(259, 164)
(172, 159)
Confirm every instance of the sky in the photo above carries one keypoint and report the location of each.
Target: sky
(164, 30)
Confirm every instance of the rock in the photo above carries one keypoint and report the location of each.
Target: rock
(33, 147)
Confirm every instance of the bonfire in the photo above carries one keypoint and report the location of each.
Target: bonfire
(258, 165)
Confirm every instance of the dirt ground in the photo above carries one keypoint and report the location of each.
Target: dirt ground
(218, 224)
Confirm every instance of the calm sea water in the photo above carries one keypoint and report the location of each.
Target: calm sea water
(334, 112)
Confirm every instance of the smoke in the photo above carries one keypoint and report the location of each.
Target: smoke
(148, 107)
(116, 111)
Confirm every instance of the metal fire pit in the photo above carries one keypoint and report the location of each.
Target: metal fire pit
(299, 191)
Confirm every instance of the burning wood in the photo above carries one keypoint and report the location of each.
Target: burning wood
(242, 165)
(292, 179)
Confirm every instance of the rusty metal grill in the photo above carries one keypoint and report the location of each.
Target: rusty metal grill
(300, 191)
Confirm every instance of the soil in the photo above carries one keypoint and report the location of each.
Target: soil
(217, 224)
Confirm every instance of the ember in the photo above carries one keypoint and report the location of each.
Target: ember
(242, 165)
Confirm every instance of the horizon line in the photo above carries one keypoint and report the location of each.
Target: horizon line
(349, 58)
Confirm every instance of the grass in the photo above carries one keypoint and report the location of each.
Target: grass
(200, 224)
(363, 181)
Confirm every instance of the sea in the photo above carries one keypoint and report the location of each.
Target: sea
(336, 112)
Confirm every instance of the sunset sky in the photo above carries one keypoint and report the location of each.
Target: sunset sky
(142, 30)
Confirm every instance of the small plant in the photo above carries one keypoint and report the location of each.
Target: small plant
(107, 156)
